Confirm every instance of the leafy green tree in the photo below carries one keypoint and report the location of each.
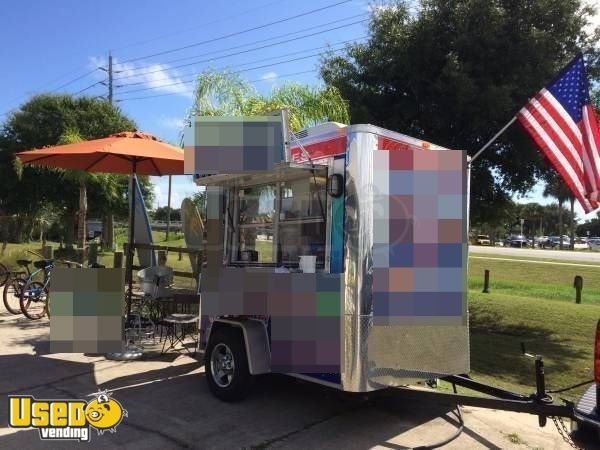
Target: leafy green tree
(199, 199)
(47, 120)
(162, 213)
(81, 179)
(456, 71)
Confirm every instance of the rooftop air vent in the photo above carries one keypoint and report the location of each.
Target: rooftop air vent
(323, 128)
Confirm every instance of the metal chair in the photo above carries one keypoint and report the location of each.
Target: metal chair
(183, 312)
(146, 312)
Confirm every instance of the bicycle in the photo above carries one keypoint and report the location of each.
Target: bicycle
(13, 287)
(34, 294)
(33, 298)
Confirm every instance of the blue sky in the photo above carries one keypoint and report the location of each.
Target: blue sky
(50, 44)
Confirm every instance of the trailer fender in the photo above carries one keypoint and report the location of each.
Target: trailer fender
(256, 342)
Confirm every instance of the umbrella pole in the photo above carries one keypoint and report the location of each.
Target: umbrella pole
(130, 249)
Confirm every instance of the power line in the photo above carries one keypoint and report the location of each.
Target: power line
(257, 61)
(223, 19)
(237, 53)
(287, 35)
(68, 83)
(237, 33)
(89, 87)
(234, 72)
(194, 76)
(258, 80)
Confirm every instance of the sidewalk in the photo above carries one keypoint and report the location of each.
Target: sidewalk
(170, 407)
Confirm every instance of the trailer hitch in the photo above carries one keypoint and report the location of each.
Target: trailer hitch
(539, 403)
(540, 383)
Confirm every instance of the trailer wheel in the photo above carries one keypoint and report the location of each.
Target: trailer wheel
(226, 365)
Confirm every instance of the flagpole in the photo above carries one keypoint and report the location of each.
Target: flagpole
(482, 149)
(470, 162)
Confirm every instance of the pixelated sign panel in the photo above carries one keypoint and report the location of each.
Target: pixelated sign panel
(304, 309)
(420, 240)
(86, 310)
(225, 145)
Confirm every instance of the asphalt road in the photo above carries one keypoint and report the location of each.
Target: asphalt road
(583, 256)
(170, 407)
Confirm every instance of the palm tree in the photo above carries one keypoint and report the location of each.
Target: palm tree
(227, 94)
(80, 178)
(108, 183)
(556, 187)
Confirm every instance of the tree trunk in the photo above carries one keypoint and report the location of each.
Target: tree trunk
(4, 223)
(71, 217)
(81, 225)
(108, 235)
(572, 234)
(104, 231)
(560, 224)
(19, 228)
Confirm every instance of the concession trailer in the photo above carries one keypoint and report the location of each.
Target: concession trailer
(337, 255)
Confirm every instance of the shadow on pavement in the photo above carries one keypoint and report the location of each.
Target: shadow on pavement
(171, 407)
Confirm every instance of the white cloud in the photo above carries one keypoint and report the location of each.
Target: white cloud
(182, 187)
(378, 7)
(271, 77)
(594, 20)
(161, 197)
(159, 77)
(175, 123)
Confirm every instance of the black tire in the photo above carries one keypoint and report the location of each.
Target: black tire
(4, 274)
(11, 295)
(229, 385)
(34, 300)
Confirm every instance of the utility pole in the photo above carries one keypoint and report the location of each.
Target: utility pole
(110, 78)
(108, 221)
(168, 211)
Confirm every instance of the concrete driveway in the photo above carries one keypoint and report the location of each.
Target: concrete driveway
(170, 407)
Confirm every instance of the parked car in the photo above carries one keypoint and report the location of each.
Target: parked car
(483, 239)
(554, 242)
(540, 241)
(516, 240)
(94, 229)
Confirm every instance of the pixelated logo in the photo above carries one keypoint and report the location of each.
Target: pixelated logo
(69, 419)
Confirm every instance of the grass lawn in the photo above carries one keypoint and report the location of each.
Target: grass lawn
(532, 303)
(562, 332)
(535, 280)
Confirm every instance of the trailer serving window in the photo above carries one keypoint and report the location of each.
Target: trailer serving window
(276, 223)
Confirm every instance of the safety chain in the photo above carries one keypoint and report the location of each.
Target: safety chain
(564, 432)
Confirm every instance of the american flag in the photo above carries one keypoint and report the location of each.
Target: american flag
(562, 121)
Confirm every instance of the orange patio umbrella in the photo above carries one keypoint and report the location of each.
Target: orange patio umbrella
(129, 152)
